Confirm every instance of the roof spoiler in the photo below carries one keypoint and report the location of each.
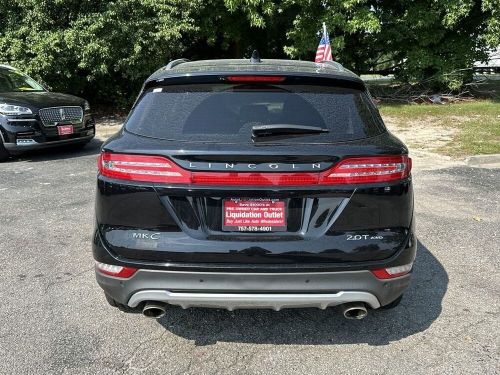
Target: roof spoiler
(174, 63)
(335, 64)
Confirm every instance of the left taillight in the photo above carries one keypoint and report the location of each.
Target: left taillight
(115, 271)
(141, 168)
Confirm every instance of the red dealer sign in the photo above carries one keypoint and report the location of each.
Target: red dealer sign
(254, 215)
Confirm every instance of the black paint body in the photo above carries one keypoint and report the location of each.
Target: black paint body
(185, 221)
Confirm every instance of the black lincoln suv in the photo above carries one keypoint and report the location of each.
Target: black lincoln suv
(254, 184)
(32, 117)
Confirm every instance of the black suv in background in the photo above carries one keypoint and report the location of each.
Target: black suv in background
(33, 118)
(254, 184)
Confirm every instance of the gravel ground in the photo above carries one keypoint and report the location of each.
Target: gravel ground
(54, 319)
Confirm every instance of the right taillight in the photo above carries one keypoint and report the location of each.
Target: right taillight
(367, 170)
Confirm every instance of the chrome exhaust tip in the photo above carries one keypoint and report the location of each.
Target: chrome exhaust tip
(354, 310)
(154, 310)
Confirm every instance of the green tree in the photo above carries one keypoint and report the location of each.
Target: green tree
(103, 49)
(100, 49)
(417, 40)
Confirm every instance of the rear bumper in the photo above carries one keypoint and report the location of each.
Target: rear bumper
(253, 290)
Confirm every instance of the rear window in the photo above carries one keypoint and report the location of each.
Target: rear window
(226, 113)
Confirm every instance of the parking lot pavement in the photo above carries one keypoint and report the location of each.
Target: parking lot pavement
(54, 319)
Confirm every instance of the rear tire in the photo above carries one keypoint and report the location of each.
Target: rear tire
(393, 304)
(4, 154)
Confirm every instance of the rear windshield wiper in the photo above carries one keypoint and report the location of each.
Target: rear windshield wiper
(285, 129)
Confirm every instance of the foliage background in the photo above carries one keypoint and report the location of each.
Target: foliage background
(104, 49)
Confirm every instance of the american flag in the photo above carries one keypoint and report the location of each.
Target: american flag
(324, 52)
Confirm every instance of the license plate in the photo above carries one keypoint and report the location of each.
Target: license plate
(254, 215)
(65, 129)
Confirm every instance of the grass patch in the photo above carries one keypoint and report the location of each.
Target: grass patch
(477, 122)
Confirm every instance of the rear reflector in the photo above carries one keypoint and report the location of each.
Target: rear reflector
(392, 272)
(263, 79)
(162, 170)
(115, 271)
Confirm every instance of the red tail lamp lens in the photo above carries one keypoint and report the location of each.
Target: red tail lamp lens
(162, 170)
(142, 168)
(368, 170)
(254, 179)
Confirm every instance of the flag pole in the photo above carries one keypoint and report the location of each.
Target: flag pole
(324, 28)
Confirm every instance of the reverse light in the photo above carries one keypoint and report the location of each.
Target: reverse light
(256, 79)
(115, 271)
(13, 110)
(392, 272)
